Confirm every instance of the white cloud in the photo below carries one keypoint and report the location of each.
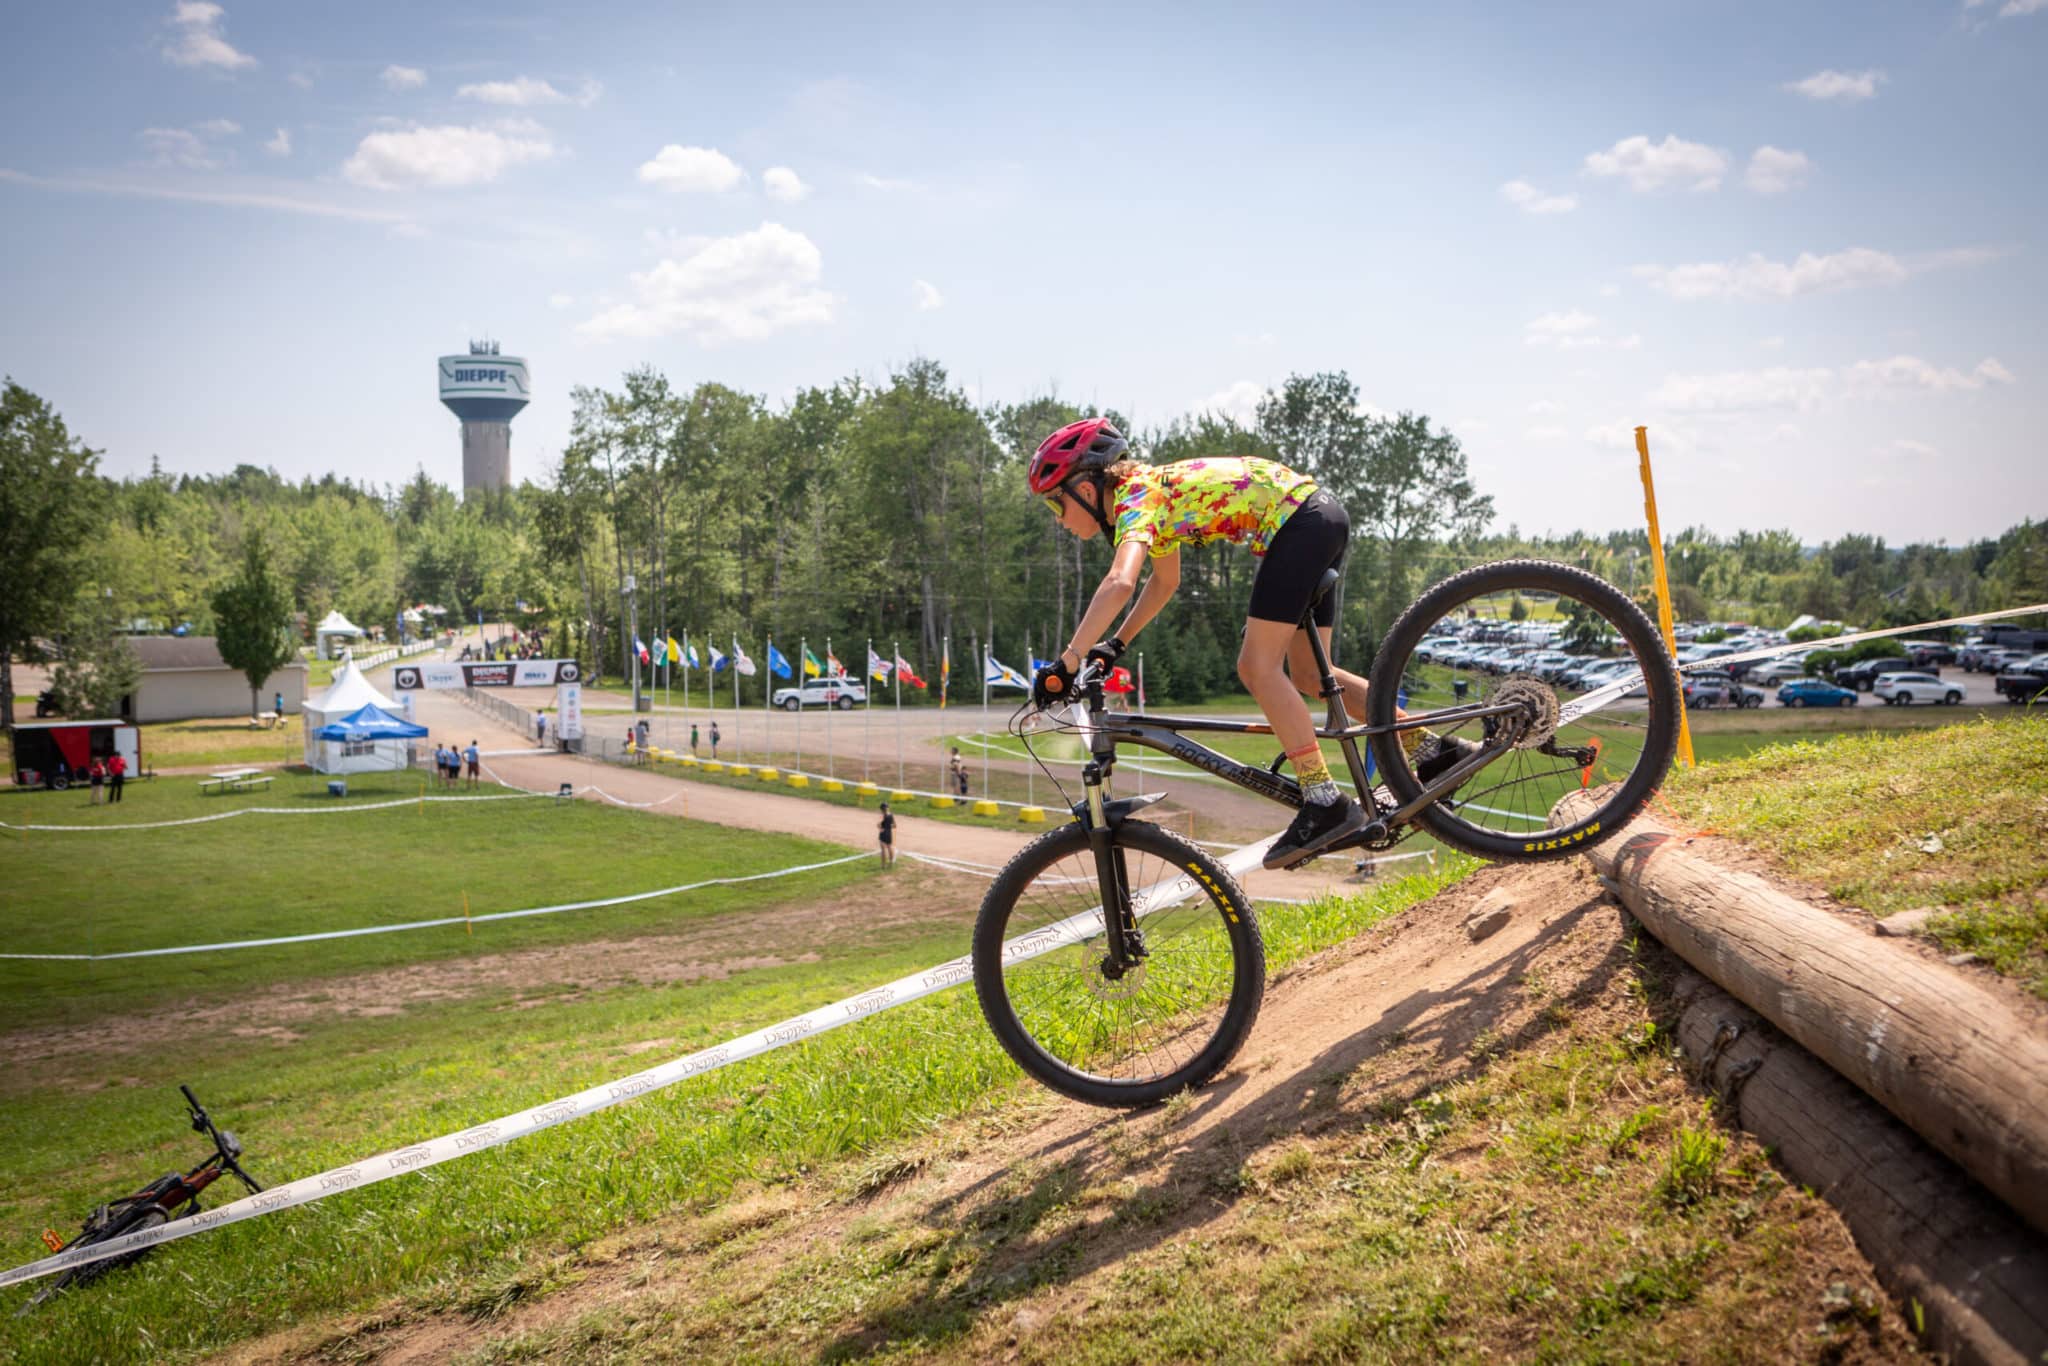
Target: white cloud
(1914, 447)
(782, 183)
(1529, 199)
(1849, 86)
(236, 199)
(217, 128)
(1544, 407)
(441, 157)
(1648, 165)
(1573, 331)
(301, 80)
(1758, 278)
(742, 287)
(1910, 374)
(198, 41)
(522, 91)
(559, 302)
(178, 147)
(878, 182)
(1544, 433)
(2012, 9)
(1735, 391)
(926, 296)
(398, 77)
(1773, 170)
(1254, 341)
(1239, 401)
(702, 169)
(281, 145)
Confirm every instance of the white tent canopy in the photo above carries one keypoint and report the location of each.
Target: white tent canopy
(334, 626)
(350, 692)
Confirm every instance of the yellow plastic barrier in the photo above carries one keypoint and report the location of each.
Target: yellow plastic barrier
(1031, 815)
(799, 780)
(767, 775)
(687, 760)
(942, 801)
(986, 809)
(900, 797)
(712, 766)
(867, 790)
(832, 785)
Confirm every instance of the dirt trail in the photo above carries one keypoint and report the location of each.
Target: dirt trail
(1361, 1030)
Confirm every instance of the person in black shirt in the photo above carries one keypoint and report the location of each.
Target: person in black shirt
(886, 834)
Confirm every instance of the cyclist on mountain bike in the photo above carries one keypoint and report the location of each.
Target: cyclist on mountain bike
(1086, 476)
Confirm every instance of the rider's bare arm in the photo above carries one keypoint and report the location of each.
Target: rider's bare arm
(1117, 587)
(1158, 588)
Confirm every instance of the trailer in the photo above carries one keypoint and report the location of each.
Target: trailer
(57, 754)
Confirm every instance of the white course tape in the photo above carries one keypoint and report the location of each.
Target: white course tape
(497, 1133)
(430, 924)
(520, 795)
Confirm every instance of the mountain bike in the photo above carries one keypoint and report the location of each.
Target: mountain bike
(157, 1203)
(1118, 963)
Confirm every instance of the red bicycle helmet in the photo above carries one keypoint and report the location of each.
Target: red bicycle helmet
(1083, 447)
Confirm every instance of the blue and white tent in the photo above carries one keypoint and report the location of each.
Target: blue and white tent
(370, 722)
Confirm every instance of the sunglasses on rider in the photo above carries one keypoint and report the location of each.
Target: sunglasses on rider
(1057, 502)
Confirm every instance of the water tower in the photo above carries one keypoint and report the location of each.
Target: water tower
(485, 390)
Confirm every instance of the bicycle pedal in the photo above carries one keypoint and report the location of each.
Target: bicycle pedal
(53, 1240)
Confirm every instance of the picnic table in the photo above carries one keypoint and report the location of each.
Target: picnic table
(264, 720)
(236, 780)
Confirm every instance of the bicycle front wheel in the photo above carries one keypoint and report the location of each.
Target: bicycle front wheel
(1596, 697)
(1073, 1021)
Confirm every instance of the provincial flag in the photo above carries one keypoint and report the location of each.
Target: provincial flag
(690, 660)
(641, 646)
(945, 670)
(878, 667)
(812, 668)
(675, 651)
(778, 663)
(999, 675)
(904, 672)
(718, 660)
(833, 665)
(740, 660)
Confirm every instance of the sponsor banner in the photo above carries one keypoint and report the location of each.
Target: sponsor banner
(569, 711)
(510, 673)
(419, 1156)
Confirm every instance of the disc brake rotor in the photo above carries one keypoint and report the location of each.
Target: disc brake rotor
(1119, 989)
(1540, 701)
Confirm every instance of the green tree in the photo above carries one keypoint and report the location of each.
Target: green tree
(252, 615)
(98, 668)
(50, 503)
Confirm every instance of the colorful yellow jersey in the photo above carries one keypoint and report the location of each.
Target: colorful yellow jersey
(1193, 502)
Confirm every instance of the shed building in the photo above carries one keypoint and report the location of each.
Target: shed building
(185, 677)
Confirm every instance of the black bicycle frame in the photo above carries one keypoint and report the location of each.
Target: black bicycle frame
(1106, 730)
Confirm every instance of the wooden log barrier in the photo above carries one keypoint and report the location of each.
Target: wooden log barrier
(1957, 1063)
(1932, 1234)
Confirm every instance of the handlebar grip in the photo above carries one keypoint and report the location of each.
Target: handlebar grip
(191, 1099)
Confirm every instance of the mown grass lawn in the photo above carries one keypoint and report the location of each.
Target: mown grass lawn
(482, 1231)
(259, 876)
(1955, 817)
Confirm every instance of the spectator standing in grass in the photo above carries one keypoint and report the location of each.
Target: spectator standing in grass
(885, 835)
(277, 703)
(98, 774)
(714, 739)
(956, 772)
(474, 758)
(117, 769)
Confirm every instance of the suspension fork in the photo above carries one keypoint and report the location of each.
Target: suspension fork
(1112, 882)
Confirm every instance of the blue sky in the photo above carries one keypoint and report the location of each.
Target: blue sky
(1802, 243)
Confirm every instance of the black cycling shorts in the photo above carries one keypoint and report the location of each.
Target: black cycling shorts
(1310, 542)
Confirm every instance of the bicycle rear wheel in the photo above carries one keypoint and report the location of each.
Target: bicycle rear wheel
(1534, 611)
(1173, 1021)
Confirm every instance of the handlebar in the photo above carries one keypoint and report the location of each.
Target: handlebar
(224, 1141)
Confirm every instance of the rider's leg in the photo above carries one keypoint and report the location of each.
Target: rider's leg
(1301, 669)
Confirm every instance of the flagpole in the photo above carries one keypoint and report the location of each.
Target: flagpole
(668, 671)
(1030, 779)
(867, 713)
(732, 662)
(686, 680)
(768, 699)
(896, 673)
(986, 656)
(803, 652)
(831, 705)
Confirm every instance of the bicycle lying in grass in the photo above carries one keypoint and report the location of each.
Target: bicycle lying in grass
(1118, 963)
(157, 1203)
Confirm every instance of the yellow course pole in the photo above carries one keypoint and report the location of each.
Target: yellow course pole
(1663, 585)
(467, 928)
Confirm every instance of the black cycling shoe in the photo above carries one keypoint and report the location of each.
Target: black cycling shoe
(1316, 827)
(1438, 755)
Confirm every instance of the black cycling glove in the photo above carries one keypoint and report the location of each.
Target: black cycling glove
(1107, 653)
(1054, 685)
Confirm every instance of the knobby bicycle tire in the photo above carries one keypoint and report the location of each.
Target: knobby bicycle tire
(1063, 993)
(1618, 801)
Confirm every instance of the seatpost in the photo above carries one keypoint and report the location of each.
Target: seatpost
(1332, 692)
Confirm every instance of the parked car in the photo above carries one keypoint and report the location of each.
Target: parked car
(1862, 675)
(843, 693)
(1816, 692)
(1904, 689)
(1998, 658)
(2025, 681)
(1929, 654)
(1428, 650)
(1718, 688)
(1776, 671)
